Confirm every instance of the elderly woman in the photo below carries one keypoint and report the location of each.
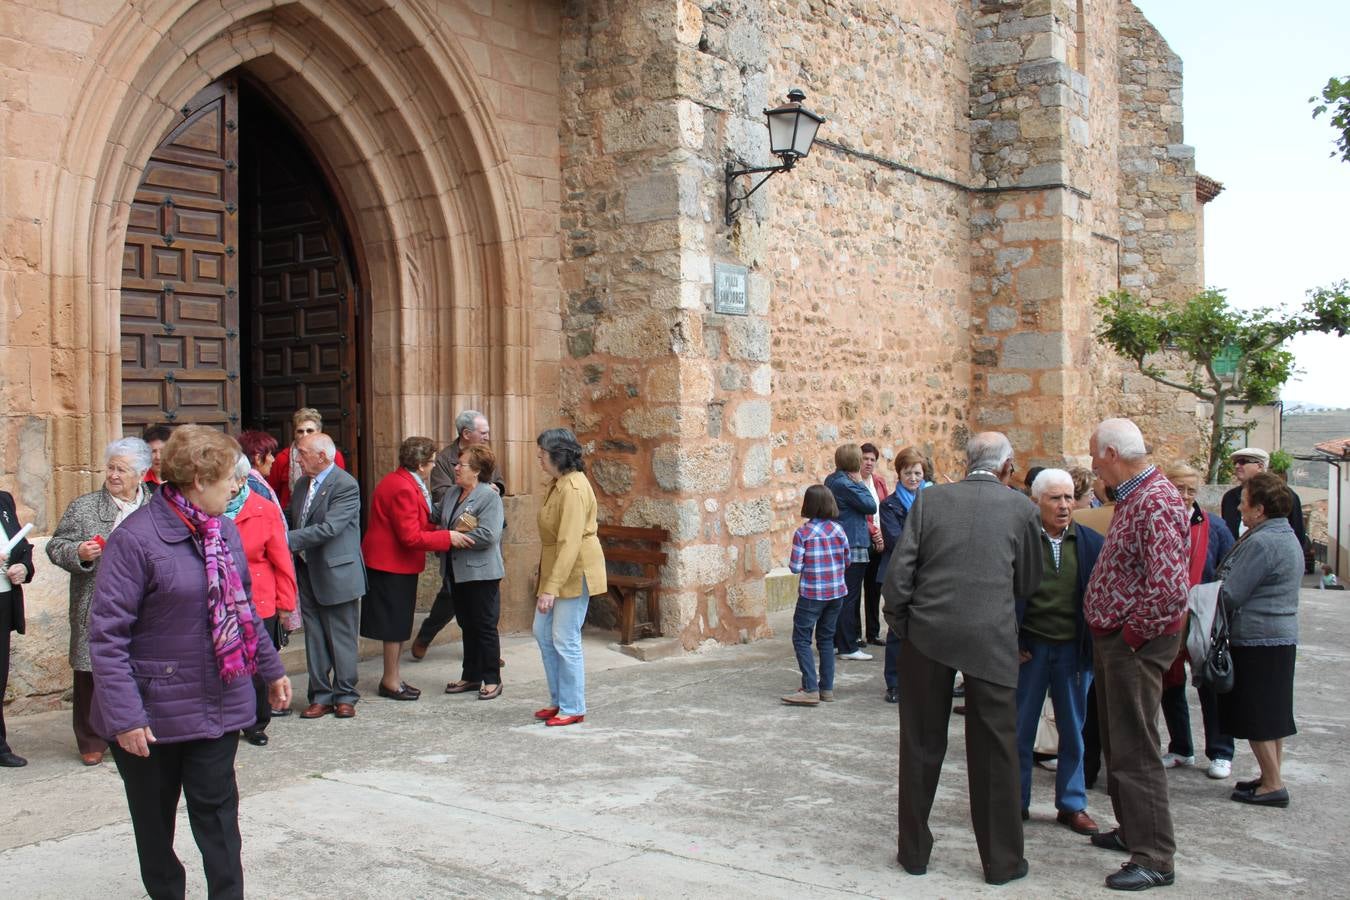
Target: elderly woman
(260, 449)
(77, 547)
(473, 573)
(874, 575)
(571, 571)
(910, 478)
(399, 535)
(1210, 542)
(285, 471)
(16, 570)
(174, 643)
(262, 532)
(1261, 577)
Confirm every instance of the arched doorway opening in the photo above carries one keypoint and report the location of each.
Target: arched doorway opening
(241, 301)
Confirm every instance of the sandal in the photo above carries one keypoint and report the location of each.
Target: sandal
(490, 692)
(462, 687)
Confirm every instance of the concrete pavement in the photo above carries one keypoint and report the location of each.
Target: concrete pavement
(688, 779)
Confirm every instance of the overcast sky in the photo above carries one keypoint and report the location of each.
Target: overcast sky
(1279, 227)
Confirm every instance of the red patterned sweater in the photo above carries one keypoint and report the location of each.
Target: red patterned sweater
(1140, 581)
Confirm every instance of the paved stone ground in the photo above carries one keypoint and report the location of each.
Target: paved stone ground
(688, 779)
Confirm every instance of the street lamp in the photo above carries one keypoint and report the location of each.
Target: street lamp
(792, 131)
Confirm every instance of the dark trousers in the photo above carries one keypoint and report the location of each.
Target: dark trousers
(5, 619)
(848, 636)
(1129, 689)
(1092, 742)
(991, 762)
(1177, 714)
(273, 628)
(478, 607)
(204, 772)
(872, 576)
(442, 611)
(891, 667)
(88, 740)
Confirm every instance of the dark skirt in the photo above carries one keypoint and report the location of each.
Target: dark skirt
(1261, 705)
(388, 608)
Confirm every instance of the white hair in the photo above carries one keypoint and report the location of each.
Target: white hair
(133, 450)
(467, 419)
(242, 466)
(324, 444)
(988, 450)
(1123, 436)
(1048, 478)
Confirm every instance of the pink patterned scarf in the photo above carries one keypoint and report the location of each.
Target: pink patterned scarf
(234, 633)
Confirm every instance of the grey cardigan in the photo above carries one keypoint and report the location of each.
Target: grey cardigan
(1261, 577)
(482, 561)
(87, 515)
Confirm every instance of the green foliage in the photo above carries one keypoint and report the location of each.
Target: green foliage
(1281, 462)
(1203, 327)
(1335, 100)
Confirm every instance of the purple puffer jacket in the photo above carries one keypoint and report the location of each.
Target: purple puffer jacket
(150, 637)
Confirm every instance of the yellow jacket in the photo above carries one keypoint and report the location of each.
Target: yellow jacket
(567, 531)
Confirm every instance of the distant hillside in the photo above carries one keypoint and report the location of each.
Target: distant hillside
(1304, 429)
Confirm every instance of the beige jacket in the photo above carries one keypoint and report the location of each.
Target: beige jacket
(567, 533)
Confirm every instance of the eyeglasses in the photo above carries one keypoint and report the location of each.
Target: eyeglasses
(1244, 461)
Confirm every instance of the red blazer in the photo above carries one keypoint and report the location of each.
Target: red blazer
(263, 534)
(400, 533)
(280, 476)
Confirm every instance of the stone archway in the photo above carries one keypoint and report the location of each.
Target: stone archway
(412, 152)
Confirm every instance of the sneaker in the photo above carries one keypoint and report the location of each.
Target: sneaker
(827, 696)
(1220, 769)
(856, 654)
(803, 698)
(1173, 761)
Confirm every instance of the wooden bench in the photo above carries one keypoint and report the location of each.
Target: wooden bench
(641, 549)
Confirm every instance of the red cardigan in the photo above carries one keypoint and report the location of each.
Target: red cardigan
(279, 477)
(263, 534)
(399, 533)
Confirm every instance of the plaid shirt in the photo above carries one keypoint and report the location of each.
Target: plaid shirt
(820, 555)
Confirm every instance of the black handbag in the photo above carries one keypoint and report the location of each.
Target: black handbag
(1216, 671)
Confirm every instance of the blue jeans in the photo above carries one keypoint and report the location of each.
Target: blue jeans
(1054, 667)
(848, 634)
(558, 633)
(822, 616)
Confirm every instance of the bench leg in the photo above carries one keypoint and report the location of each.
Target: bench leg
(627, 612)
(654, 610)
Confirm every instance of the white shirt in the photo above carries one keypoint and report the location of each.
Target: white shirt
(874, 518)
(4, 570)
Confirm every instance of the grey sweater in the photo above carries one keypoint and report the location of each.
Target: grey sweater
(1261, 577)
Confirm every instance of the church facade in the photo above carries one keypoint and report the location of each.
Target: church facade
(392, 210)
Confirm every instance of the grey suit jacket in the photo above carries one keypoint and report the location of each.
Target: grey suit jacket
(330, 537)
(969, 558)
(482, 561)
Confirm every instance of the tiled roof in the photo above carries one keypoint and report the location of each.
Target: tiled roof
(1339, 448)
(1206, 188)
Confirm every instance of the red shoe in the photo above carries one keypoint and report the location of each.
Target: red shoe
(565, 720)
(547, 712)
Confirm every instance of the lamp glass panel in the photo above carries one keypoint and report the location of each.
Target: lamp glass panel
(804, 134)
(782, 130)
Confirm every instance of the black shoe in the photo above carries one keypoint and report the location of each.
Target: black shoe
(876, 642)
(892, 695)
(1247, 785)
(1026, 815)
(1278, 798)
(281, 713)
(256, 738)
(1110, 840)
(913, 870)
(403, 692)
(1019, 872)
(12, 760)
(1134, 877)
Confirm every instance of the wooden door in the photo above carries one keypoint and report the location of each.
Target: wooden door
(180, 312)
(301, 294)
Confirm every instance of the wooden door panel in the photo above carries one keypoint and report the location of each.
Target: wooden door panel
(180, 307)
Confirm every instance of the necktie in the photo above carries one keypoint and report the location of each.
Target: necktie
(309, 498)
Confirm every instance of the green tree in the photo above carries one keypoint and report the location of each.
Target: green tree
(1335, 100)
(1205, 333)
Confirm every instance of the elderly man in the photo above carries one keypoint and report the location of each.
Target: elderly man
(1247, 462)
(969, 555)
(1136, 606)
(325, 538)
(1056, 647)
(471, 427)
